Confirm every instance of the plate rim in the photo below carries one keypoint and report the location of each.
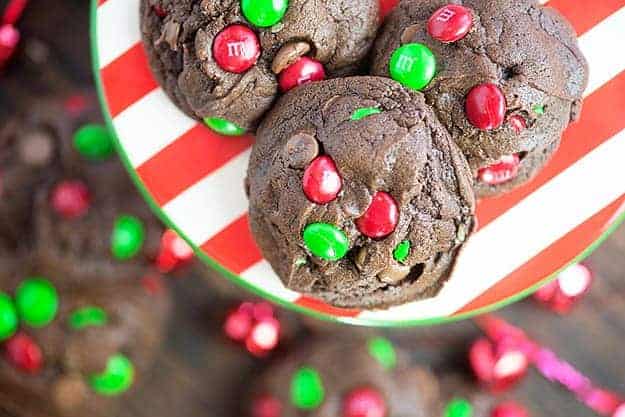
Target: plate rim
(259, 292)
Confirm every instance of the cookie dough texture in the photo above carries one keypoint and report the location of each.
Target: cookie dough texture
(408, 390)
(135, 328)
(403, 150)
(530, 51)
(338, 33)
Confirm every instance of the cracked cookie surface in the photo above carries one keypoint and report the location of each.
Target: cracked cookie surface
(179, 36)
(529, 51)
(325, 156)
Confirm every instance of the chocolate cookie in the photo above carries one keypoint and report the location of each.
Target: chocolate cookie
(115, 238)
(223, 61)
(74, 349)
(337, 377)
(505, 77)
(357, 193)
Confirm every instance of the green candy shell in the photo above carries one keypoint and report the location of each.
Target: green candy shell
(223, 126)
(307, 392)
(383, 351)
(402, 251)
(37, 302)
(8, 317)
(458, 407)
(365, 112)
(264, 13)
(116, 379)
(87, 317)
(413, 65)
(127, 238)
(326, 241)
(94, 142)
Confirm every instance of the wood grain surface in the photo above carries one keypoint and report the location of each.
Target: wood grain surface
(200, 374)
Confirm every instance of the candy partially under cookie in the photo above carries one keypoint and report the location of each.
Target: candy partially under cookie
(508, 79)
(358, 195)
(224, 62)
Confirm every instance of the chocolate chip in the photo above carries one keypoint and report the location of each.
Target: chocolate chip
(301, 149)
(69, 393)
(394, 274)
(409, 34)
(288, 54)
(170, 34)
(36, 148)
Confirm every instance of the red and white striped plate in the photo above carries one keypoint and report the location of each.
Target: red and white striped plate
(194, 178)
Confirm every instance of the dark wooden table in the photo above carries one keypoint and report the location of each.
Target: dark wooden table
(200, 374)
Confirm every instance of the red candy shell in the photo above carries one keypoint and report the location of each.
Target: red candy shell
(450, 23)
(381, 217)
(303, 71)
(24, 354)
(236, 48)
(364, 402)
(503, 171)
(321, 181)
(70, 199)
(485, 106)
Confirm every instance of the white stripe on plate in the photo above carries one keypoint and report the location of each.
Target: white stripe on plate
(511, 240)
(210, 205)
(602, 49)
(261, 276)
(149, 125)
(118, 29)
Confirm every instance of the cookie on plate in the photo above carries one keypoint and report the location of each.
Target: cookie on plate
(505, 77)
(225, 61)
(358, 195)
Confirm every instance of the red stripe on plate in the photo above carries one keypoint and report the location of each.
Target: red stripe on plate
(583, 14)
(233, 248)
(551, 259)
(101, 2)
(127, 79)
(190, 158)
(321, 307)
(602, 118)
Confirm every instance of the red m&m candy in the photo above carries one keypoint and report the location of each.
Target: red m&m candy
(500, 172)
(322, 181)
(364, 402)
(509, 409)
(381, 217)
(303, 71)
(485, 106)
(23, 353)
(236, 48)
(266, 406)
(517, 122)
(450, 23)
(70, 199)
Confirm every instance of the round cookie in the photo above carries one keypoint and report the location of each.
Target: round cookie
(508, 79)
(99, 343)
(115, 239)
(358, 195)
(220, 62)
(372, 372)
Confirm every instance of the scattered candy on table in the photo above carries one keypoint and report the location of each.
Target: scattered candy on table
(561, 294)
(509, 409)
(458, 407)
(254, 325)
(8, 317)
(307, 391)
(266, 406)
(364, 402)
(174, 252)
(88, 317)
(37, 302)
(127, 238)
(116, 378)
(94, 142)
(383, 351)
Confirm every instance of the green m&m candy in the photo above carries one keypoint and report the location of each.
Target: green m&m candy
(458, 407)
(8, 317)
(383, 351)
(116, 378)
(307, 390)
(402, 251)
(127, 238)
(326, 241)
(264, 13)
(363, 112)
(87, 317)
(94, 142)
(413, 65)
(37, 301)
(223, 126)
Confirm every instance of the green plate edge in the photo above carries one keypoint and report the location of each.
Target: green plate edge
(259, 292)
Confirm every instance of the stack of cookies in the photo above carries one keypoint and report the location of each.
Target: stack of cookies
(373, 140)
(82, 312)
